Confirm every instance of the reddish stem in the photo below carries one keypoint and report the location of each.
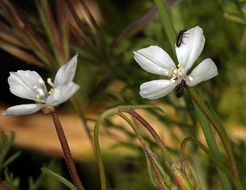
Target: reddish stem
(66, 151)
(151, 131)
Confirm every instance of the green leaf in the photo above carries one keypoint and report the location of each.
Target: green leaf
(212, 145)
(5, 145)
(150, 171)
(35, 184)
(59, 178)
(143, 106)
(11, 158)
(10, 182)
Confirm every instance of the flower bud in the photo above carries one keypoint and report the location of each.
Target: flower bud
(181, 179)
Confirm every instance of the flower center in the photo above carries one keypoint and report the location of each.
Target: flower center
(179, 74)
(40, 93)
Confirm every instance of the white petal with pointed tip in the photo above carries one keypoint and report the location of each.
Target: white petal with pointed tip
(22, 84)
(154, 60)
(62, 93)
(156, 89)
(192, 45)
(23, 109)
(66, 73)
(202, 72)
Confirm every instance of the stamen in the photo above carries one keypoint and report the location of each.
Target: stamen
(179, 65)
(172, 69)
(51, 91)
(40, 93)
(41, 81)
(174, 77)
(190, 78)
(50, 82)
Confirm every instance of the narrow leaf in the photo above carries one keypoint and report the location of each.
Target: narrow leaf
(20, 53)
(11, 158)
(59, 178)
(212, 145)
(150, 171)
(143, 106)
(11, 36)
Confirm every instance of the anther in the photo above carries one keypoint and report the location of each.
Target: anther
(179, 65)
(41, 81)
(172, 69)
(40, 92)
(174, 77)
(50, 91)
(50, 82)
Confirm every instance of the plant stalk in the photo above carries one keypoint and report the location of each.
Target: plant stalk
(66, 151)
(167, 24)
(221, 132)
(217, 162)
(151, 131)
(96, 136)
(146, 150)
(180, 178)
(208, 133)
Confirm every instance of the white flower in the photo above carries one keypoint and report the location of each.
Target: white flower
(30, 85)
(155, 60)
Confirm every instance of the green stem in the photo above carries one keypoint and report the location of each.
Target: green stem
(151, 131)
(218, 163)
(66, 151)
(96, 136)
(165, 176)
(167, 23)
(212, 145)
(146, 150)
(97, 145)
(221, 132)
(180, 178)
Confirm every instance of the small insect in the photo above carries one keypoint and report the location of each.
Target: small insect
(180, 89)
(180, 38)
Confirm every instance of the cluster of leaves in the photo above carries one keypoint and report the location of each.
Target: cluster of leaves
(10, 182)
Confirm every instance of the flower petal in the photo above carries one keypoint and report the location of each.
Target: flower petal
(24, 84)
(154, 60)
(156, 89)
(23, 109)
(66, 73)
(191, 47)
(202, 72)
(62, 93)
